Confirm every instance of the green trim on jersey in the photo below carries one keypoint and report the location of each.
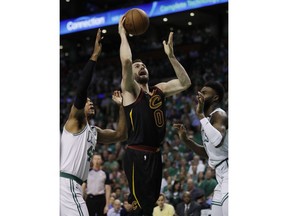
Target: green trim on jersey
(222, 201)
(69, 176)
(74, 195)
(77, 134)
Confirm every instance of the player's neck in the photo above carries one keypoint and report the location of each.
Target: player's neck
(96, 168)
(211, 109)
(145, 88)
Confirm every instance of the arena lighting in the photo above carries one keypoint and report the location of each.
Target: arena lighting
(165, 19)
(153, 9)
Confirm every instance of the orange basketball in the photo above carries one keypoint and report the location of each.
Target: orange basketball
(136, 22)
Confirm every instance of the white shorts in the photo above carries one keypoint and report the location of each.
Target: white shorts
(71, 199)
(221, 189)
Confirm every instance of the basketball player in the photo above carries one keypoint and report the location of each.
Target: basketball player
(145, 114)
(214, 131)
(78, 141)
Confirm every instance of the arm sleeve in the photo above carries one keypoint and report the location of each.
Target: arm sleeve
(212, 133)
(81, 94)
(107, 181)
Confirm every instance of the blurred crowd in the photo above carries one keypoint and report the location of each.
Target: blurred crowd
(203, 51)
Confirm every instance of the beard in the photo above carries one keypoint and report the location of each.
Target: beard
(207, 103)
(142, 80)
(90, 114)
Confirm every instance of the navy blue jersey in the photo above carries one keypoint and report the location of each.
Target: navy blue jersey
(146, 120)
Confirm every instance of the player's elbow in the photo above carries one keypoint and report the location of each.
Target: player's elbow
(121, 137)
(185, 83)
(188, 84)
(126, 61)
(217, 140)
(124, 137)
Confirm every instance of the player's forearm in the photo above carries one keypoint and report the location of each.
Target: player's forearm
(180, 72)
(125, 51)
(94, 57)
(214, 136)
(198, 149)
(121, 130)
(85, 79)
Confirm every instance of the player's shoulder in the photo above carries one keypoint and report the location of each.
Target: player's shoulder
(157, 88)
(219, 112)
(218, 115)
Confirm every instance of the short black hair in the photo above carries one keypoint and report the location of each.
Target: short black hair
(217, 87)
(137, 60)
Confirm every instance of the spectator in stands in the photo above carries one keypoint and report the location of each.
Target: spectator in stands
(164, 181)
(192, 189)
(111, 164)
(163, 208)
(202, 201)
(115, 211)
(200, 179)
(176, 193)
(187, 206)
(208, 184)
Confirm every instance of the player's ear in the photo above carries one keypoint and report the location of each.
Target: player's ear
(216, 98)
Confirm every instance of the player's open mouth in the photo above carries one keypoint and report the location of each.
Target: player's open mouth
(143, 72)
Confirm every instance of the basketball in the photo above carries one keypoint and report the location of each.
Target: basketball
(136, 22)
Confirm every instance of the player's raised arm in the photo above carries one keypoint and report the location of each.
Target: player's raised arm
(198, 149)
(77, 119)
(183, 81)
(120, 134)
(127, 83)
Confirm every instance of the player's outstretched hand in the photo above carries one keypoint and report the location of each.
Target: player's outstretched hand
(117, 97)
(181, 131)
(97, 46)
(121, 29)
(168, 47)
(200, 105)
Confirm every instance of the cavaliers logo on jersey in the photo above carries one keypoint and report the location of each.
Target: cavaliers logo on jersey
(155, 102)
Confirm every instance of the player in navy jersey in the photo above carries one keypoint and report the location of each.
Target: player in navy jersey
(145, 118)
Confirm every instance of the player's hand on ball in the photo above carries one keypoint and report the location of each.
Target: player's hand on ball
(168, 47)
(121, 29)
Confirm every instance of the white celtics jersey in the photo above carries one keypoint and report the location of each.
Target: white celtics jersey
(216, 155)
(76, 151)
